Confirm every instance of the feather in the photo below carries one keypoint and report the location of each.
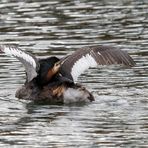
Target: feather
(83, 58)
(28, 60)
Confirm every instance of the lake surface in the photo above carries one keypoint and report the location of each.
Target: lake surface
(119, 116)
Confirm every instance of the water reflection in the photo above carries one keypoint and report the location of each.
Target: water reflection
(118, 117)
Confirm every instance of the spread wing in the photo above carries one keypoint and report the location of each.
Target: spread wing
(29, 61)
(76, 63)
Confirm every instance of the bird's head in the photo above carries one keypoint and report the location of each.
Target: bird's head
(49, 67)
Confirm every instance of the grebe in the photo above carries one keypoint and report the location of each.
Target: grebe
(53, 80)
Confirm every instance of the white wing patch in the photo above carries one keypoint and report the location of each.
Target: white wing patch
(82, 64)
(12, 51)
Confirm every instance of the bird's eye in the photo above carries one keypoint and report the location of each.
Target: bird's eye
(56, 64)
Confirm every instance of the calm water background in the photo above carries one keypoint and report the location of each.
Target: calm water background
(119, 116)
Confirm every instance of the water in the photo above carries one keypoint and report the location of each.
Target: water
(119, 116)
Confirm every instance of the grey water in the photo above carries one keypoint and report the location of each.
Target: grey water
(119, 115)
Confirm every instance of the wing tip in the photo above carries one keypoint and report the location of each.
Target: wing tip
(4, 48)
(119, 56)
(13, 50)
(132, 62)
(128, 60)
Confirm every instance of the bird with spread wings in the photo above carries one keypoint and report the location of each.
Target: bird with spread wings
(43, 73)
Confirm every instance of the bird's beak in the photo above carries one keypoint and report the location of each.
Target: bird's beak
(60, 62)
(57, 66)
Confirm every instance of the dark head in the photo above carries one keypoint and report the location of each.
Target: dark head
(48, 63)
(48, 69)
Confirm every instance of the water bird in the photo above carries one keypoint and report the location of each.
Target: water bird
(53, 80)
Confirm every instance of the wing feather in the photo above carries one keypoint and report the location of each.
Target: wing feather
(79, 61)
(29, 61)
